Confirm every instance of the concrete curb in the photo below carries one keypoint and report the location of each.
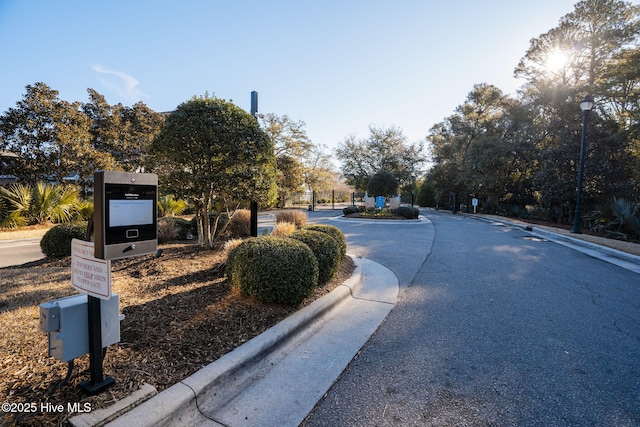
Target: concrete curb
(170, 403)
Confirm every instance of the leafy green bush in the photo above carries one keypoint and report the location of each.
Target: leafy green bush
(169, 206)
(350, 210)
(57, 241)
(409, 212)
(334, 232)
(273, 269)
(326, 250)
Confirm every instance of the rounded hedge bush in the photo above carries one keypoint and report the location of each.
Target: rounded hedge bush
(334, 232)
(273, 269)
(350, 210)
(409, 212)
(326, 250)
(57, 241)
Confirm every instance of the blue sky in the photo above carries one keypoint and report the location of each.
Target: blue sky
(339, 66)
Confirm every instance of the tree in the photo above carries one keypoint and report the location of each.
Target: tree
(51, 136)
(211, 150)
(482, 149)
(594, 51)
(318, 169)
(294, 152)
(384, 149)
(124, 132)
(290, 177)
(575, 53)
(382, 183)
(289, 137)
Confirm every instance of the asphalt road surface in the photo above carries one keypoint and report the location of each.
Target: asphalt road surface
(16, 252)
(493, 327)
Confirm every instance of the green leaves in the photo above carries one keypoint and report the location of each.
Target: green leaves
(384, 149)
(24, 204)
(210, 148)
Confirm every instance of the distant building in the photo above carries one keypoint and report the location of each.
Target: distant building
(6, 158)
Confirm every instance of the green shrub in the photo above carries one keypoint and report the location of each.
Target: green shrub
(326, 250)
(409, 212)
(57, 241)
(273, 269)
(334, 232)
(350, 210)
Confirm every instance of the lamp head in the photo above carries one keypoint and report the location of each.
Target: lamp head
(587, 103)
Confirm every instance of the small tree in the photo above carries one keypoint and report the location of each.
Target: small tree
(382, 183)
(210, 151)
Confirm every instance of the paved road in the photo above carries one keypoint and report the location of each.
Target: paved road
(494, 329)
(15, 252)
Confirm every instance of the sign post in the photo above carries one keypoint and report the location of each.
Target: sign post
(92, 276)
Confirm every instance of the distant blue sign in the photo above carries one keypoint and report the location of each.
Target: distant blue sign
(379, 202)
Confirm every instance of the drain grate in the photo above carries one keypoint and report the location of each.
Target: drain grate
(535, 239)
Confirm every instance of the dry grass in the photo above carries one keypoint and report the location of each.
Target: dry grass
(283, 229)
(180, 315)
(298, 218)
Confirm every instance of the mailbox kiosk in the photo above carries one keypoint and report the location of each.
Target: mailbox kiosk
(125, 215)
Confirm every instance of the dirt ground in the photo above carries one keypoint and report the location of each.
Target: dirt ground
(180, 315)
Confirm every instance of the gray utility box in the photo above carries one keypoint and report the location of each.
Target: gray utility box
(66, 323)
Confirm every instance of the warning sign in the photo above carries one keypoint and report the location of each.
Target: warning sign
(89, 274)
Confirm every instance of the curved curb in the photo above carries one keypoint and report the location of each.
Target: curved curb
(420, 219)
(170, 403)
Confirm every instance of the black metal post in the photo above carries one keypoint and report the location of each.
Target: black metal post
(254, 205)
(576, 219)
(97, 382)
(254, 219)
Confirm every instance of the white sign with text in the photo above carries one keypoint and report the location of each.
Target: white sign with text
(89, 274)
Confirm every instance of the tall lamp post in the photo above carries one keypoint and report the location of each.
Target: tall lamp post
(586, 105)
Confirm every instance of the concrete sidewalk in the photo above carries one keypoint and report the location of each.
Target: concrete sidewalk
(277, 377)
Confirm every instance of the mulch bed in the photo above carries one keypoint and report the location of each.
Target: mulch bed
(180, 315)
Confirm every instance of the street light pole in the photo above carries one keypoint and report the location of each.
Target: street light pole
(253, 205)
(586, 105)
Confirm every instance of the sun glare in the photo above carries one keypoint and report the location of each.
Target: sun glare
(556, 60)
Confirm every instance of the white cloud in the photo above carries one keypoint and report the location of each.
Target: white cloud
(121, 83)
